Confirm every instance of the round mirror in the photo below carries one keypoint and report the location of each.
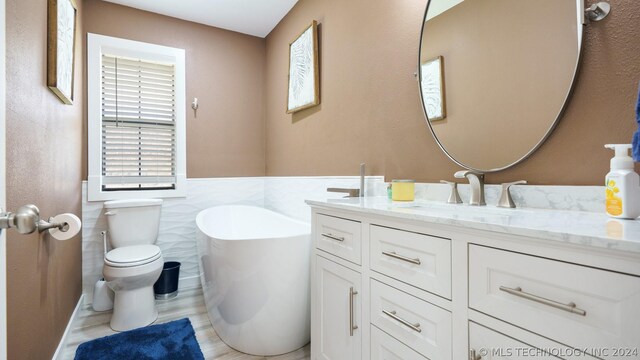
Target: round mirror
(495, 75)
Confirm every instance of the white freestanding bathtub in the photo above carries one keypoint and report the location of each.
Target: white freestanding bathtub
(254, 266)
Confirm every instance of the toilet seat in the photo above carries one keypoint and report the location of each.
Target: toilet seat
(129, 256)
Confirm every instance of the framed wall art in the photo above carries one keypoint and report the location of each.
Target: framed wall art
(304, 79)
(61, 39)
(432, 83)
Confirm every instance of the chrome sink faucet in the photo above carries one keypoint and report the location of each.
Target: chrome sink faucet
(352, 192)
(476, 181)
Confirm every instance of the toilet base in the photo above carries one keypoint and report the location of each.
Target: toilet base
(133, 309)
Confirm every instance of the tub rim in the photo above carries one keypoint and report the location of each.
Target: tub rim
(201, 215)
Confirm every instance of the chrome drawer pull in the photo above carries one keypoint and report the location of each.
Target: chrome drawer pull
(352, 327)
(392, 314)
(570, 307)
(473, 355)
(333, 237)
(403, 258)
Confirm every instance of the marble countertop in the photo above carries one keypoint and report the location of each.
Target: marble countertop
(574, 227)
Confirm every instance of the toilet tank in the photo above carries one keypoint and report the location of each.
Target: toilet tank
(132, 222)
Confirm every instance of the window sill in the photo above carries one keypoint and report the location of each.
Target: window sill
(95, 193)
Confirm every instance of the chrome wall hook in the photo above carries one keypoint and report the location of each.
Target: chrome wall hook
(194, 106)
(598, 11)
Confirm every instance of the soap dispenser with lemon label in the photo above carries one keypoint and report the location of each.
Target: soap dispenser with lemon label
(622, 185)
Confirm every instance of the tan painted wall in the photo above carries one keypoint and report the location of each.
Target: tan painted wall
(225, 71)
(44, 147)
(371, 112)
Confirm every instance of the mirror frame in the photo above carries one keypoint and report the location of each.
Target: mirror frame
(581, 22)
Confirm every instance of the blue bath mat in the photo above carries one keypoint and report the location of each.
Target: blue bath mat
(174, 340)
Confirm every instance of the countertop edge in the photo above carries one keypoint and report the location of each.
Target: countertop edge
(586, 240)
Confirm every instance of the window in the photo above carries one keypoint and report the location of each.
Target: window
(136, 96)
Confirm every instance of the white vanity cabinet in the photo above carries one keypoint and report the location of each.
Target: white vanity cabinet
(386, 285)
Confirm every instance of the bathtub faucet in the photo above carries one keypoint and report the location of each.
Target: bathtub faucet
(352, 192)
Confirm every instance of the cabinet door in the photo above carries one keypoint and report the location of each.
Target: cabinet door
(337, 313)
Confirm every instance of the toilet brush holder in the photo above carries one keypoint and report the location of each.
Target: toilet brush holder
(102, 296)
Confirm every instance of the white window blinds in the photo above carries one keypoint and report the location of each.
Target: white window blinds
(138, 124)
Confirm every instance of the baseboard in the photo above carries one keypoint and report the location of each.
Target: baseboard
(63, 340)
(185, 283)
(190, 282)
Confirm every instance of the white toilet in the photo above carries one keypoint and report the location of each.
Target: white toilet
(135, 263)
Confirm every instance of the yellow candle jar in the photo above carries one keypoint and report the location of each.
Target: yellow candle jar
(403, 190)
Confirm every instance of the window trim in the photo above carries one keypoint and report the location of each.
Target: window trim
(96, 45)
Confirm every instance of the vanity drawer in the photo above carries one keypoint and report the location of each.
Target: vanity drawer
(492, 345)
(384, 347)
(418, 324)
(340, 237)
(416, 259)
(537, 294)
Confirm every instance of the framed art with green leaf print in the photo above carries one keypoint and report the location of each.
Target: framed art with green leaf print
(304, 79)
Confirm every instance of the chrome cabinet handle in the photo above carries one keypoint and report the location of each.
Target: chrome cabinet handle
(403, 258)
(473, 355)
(332, 237)
(392, 314)
(570, 307)
(352, 327)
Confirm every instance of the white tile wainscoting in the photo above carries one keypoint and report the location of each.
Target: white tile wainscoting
(286, 195)
(177, 238)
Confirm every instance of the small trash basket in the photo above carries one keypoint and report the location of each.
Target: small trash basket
(167, 285)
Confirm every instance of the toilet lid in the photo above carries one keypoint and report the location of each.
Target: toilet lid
(127, 256)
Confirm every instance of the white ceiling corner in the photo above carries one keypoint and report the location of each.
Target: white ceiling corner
(438, 7)
(253, 17)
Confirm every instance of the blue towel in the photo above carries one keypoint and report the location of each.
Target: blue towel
(636, 136)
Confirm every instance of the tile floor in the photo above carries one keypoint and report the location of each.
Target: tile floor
(189, 303)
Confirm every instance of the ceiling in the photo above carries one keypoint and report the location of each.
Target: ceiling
(438, 7)
(253, 17)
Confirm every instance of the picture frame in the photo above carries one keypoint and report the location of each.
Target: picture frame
(61, 41)
(303, 89)
(432, 86)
